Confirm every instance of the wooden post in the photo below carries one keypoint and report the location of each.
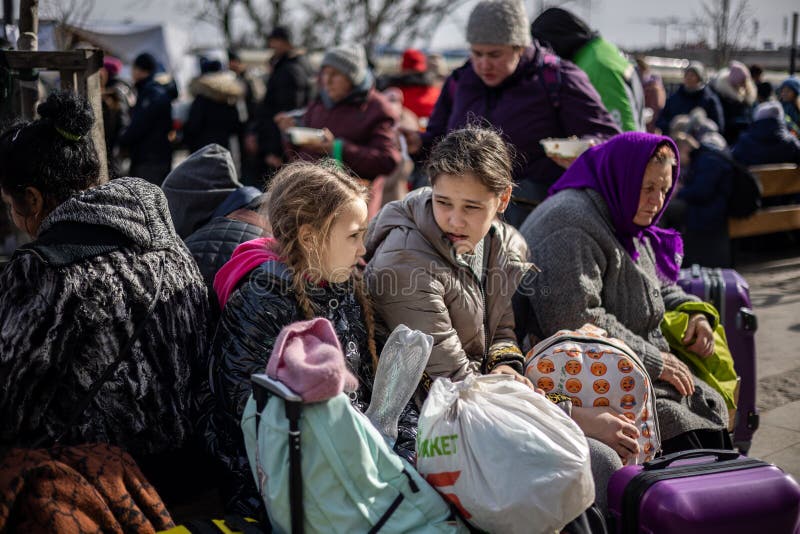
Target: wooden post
(28, 40)
(80, 72)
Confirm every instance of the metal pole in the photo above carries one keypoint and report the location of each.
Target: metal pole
(793, 52)
(28, 40)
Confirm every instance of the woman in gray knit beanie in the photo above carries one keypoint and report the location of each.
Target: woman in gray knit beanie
(497, 32)
(355, 122)
(522, 89)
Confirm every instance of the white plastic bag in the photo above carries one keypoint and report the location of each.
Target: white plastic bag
(506, 456)
(403, 359)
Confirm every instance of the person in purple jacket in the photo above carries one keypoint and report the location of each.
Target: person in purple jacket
(521, 89)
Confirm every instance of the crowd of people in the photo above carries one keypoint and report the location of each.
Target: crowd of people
(180, 280)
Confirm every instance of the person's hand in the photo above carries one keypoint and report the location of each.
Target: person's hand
(677, 373)
(700, 335)
(284, 121)
(251, 144)
(613, 429)
(508, 370)
(566, 162)
(273, 161)
(413, 140)
(561, 162)
(323, 146)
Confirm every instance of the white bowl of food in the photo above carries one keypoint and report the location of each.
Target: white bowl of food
(570, 147)
(303, 136)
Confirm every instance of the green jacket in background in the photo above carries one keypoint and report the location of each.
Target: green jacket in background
(716, 370)
(616, 80)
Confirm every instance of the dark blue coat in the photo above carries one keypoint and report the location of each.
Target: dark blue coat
(151, 121)
(767, 141)
(707, 189)
(682, 102)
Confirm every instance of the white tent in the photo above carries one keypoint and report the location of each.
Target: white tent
(169, 44)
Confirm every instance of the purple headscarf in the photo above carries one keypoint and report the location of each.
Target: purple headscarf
(615, 169)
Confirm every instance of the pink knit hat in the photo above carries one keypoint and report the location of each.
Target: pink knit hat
(308, 358)
(738, 74)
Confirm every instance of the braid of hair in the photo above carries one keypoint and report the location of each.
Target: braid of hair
(299, 286)
(369, 319)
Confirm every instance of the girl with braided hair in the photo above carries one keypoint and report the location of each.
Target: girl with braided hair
(319, 216)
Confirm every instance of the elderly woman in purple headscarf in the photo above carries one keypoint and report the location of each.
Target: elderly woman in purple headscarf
(604, 261)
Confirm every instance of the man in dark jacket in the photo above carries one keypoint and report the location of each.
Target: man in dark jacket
(767, 140)
(694, 93)
(147, 135)
(288, 88)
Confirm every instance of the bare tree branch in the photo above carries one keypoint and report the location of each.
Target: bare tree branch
(322, 25)
(729, 26)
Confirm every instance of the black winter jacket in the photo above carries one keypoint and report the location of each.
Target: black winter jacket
(210, 122)
(767, 141)
(212, 244)
(289, 87)
(252, 318)
(147, 135)
(71, 300)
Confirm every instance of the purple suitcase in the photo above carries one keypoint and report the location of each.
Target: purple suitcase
(730, 294)
(703, 492)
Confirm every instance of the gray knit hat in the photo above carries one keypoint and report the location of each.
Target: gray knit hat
(499, 22)
(349, 59)
(699, 69)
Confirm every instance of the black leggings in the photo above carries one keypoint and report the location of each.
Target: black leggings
(698, 439)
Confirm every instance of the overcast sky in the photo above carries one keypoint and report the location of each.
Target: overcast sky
(624, 22)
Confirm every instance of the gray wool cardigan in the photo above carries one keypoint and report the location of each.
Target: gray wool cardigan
(588, 277)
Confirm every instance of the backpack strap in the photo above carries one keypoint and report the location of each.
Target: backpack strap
(293, 411)
(550, 69)
(264, 388)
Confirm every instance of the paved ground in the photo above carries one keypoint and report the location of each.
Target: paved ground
(775, 292)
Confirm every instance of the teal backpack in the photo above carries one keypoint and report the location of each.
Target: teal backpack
(344, 478)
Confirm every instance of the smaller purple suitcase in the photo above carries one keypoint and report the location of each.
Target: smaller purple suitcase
(730, 295)
(703, 491)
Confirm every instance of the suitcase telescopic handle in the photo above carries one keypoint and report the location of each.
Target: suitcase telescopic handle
(720, 455)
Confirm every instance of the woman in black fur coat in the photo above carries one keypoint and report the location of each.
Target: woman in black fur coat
(71, 299)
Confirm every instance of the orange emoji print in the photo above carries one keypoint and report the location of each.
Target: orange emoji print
(624, 365)
(545, 383)
(573, 367)
(648, 447)
(577, 402)
(572, 353)
(601, 386)
(630, 416)
(573, 385)
(646, 430)
(645, 413)
(545, 366)
(600, 401)
(598, 369)
(627, 383)
(593, 354)
(627, 402)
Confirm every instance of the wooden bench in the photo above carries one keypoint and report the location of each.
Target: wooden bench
(776, 180)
